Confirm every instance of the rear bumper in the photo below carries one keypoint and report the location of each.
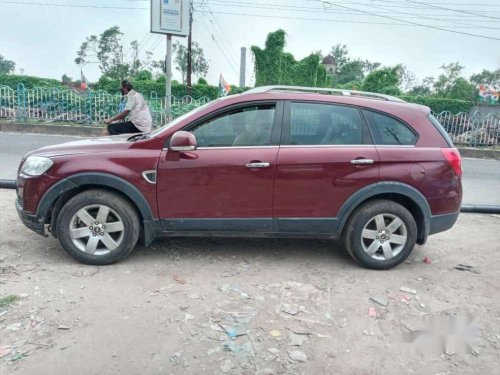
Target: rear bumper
(441, 223)
(31, 221)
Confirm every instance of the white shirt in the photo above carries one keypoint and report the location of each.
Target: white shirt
(139, 111)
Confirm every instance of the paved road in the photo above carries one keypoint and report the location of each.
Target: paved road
(481, 177)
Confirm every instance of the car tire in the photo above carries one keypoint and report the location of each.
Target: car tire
(380, 234)
(98, 227)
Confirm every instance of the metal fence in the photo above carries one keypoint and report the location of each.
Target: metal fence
(471, 130)
(88, 107)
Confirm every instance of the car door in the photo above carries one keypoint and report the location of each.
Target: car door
(227, 183)
(325, 156)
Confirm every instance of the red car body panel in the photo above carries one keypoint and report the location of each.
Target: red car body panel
(316, 181)
(111, 155)
(214, 183)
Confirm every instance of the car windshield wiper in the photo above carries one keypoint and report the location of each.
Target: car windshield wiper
(136, 137)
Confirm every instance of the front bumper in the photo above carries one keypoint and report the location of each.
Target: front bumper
(31, 221)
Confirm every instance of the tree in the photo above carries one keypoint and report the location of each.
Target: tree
(274, 66)
(445, 81)
(107, 50)
(408, 79)
(380, 79)
(341, 55)
(198, 61)
(351, 71)
(490, 78)
(424, 88)
(6, 66)
(450, 84)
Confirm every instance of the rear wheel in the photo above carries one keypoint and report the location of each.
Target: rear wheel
(98, 227)
(380, 234)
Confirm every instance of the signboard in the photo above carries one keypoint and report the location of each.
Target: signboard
(170, 17)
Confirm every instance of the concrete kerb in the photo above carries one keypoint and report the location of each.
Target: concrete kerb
(479, 153)
(52, 129)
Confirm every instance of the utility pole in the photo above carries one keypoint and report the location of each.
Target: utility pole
(168, 78)
(189, 51)
(243, 64)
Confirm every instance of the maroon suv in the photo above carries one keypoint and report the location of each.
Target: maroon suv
(376, 172)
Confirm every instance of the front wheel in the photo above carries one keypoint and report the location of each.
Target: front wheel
(380, 234)
(98, 227)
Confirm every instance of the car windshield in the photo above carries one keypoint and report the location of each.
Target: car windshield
(182, 118)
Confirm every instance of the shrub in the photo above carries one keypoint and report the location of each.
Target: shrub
(438, 105)
(29, 82)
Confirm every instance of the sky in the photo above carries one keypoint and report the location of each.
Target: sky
(43, 39)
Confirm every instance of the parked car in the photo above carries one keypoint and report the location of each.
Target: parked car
(376, 172)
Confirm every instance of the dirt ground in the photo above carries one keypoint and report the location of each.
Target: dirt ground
(212, 306)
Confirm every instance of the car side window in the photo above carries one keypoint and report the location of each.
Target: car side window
(324, 124)
(389, 131)
(248, 126)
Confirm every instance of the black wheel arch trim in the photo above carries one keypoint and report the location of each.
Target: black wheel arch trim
(389, 187)
(99, 179)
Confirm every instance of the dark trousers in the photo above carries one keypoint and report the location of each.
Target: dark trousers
(122, 128)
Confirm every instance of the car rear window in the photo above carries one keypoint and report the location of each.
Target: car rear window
(386, 130)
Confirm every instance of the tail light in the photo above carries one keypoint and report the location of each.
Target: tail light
(454, 159)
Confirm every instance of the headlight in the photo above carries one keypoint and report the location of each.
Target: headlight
(36, 165)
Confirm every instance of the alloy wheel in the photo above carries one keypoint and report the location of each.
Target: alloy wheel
(384, 236)
(96, 229)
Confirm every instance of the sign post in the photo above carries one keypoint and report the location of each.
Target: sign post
(170, 17)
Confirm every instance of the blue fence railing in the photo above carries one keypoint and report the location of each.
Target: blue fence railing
(88, 107)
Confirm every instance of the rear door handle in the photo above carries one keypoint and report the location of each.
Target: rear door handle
(257, 165)
(362, 161)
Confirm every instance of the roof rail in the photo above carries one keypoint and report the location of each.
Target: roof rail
(323, 90)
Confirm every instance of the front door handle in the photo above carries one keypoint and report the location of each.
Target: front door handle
(257, 165)
(362, 161)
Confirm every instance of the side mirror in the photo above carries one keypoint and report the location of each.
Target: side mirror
(182, 141)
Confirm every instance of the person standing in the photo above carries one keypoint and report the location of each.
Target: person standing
(136, 109)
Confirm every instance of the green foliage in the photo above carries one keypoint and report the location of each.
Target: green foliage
(147, 87)
(202, 81)
(379, 79)
(108, 51)
(353, 85)
(340, 53)
(66, 80)
(143, 75)
(198, 61)
(7, 300)
(6, 66)
(391, 90)
(274, 66)
(29, 82)
(439, 105)
(350, 71)
(486, 77)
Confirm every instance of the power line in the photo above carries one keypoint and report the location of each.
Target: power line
(301, 9)
(453, 10)
(413, 23)
(219, 47)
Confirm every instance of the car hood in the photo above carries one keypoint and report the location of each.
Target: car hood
(85, 146)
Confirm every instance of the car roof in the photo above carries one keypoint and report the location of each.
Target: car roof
(378, 104)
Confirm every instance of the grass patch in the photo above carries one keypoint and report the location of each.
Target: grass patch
(7, 300)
